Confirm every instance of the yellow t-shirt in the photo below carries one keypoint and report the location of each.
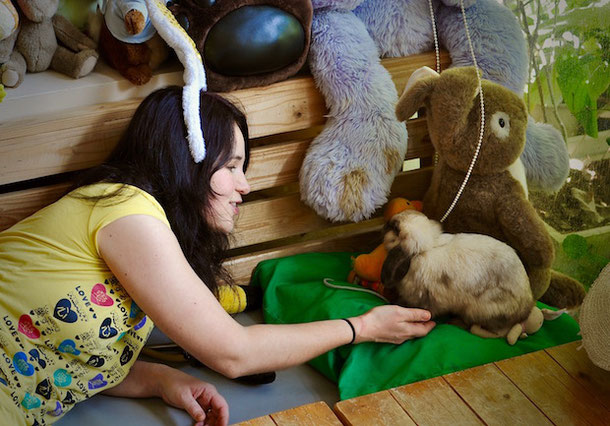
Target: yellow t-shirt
(68, 330)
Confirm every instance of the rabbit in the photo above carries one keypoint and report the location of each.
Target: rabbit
(475, 277)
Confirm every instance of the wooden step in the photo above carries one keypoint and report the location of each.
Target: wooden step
(557, 385)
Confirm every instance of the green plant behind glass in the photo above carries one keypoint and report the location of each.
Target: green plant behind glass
(569, 50)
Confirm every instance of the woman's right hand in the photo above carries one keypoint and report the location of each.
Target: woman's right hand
(200, 399)
(392, 324)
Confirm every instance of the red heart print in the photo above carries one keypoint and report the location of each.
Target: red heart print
(99, 296)
(27, 328)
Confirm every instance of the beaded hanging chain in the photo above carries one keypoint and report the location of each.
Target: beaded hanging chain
(480, 89)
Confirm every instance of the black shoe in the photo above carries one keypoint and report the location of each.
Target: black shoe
(254, 297)
(257, 379)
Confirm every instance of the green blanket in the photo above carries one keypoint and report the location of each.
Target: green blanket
(294, 292)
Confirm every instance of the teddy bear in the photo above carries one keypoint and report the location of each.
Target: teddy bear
(35, 48)
(349, 167)
(473, 276)
(247, 43)
(12, 64)
(9, 19)
(493, 201)
(9, 23)
(127, 40)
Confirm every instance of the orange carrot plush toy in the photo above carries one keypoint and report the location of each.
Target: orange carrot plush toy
(367, 267)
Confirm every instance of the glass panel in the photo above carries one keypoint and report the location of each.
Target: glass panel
(569, 48)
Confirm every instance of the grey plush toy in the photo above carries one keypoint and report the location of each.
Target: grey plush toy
(45, 40)
(350, 166)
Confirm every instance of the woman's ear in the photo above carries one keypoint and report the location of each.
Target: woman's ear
(418, 88)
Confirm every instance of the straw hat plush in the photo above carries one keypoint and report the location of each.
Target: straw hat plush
(594, 320)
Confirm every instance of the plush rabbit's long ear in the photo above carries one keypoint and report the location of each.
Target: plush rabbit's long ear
(194, 74)
(417, 89)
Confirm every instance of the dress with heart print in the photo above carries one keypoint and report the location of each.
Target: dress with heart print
(68, 329)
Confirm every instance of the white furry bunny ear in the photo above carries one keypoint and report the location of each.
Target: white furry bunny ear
(194, 75)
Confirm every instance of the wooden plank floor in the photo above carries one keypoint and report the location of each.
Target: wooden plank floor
(315, 414)
(557, 386)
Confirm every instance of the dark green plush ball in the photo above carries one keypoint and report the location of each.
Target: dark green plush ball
(254, 40)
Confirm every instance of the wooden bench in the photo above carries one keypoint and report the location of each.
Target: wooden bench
(39, 154)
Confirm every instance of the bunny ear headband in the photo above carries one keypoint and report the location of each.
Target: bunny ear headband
(194, 75)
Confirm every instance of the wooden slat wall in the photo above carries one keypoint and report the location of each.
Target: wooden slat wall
(61, 142)
(76, 139)
(284, 117)
(285, 216)
(272, 166)
(17, 205)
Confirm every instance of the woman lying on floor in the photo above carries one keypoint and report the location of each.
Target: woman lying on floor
(141, 240)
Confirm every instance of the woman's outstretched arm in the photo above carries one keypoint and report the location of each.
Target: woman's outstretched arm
(146, 258)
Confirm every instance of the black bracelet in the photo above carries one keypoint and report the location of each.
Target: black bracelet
(353, 330)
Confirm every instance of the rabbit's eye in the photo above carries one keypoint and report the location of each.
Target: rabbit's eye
(500, 124)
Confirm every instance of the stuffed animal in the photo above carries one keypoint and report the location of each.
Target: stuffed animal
(349, 167)
(366, 268)
(9, 19)
(476, 277)
(493, 202)
(235, 298)
(12, 64)
(247, 43)
(127, 39)
(36, 44)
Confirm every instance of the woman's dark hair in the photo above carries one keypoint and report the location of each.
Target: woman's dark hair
(153, 155)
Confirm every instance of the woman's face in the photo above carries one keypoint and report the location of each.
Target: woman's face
(229, 184)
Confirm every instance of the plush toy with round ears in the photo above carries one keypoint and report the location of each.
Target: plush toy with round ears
(46, 40)
(493, 201)
(350, 166)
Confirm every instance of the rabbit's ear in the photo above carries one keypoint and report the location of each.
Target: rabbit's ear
(395, 267)
(418, 88)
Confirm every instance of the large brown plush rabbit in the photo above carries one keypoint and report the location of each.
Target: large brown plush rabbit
(493, 202)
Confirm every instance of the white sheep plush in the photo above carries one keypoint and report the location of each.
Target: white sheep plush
(475, 277)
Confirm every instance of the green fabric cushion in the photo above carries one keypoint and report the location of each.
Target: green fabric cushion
(294, 292)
